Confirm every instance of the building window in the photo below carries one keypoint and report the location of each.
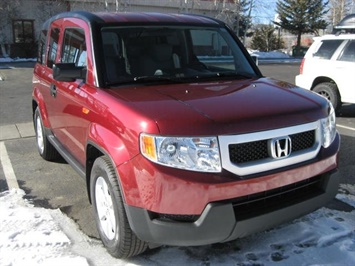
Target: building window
(23, 31)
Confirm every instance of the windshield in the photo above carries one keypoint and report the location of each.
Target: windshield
(175, 53)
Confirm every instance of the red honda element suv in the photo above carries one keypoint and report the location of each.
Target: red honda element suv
(179, 137)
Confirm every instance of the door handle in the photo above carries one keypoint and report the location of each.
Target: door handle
(53, 90)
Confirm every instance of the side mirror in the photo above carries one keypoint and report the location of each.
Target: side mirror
(68, 72)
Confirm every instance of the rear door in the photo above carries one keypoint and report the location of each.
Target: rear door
(44, 73)
(344, 71)
(321, 61)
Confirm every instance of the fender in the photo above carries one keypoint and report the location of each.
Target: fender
(109, 143)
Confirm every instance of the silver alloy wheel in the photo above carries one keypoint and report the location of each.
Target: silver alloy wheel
(325, 95)
(105, 209)
(39, 131)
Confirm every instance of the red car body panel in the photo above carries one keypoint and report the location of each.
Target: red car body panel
(212, 107)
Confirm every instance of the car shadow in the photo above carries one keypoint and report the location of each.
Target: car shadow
(14, 64)
(347, 110)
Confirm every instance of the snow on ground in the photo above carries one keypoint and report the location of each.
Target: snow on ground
(38, 236)
(30, 236)
(14, 60)
(269, 55)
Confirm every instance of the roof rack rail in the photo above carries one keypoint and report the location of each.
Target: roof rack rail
(346, 25)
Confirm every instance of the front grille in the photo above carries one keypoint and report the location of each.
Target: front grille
(247, 152)
(258, 150)
(264, 202)
(302, 141)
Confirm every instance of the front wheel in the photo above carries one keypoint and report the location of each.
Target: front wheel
(330, 92)
(111, 219)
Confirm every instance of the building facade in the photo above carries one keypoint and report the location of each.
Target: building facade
(21, 20)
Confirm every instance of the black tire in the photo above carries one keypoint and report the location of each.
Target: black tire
(111, 219)
(330, 92)
(45, 148)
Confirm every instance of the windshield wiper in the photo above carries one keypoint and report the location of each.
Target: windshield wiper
(145, 79)
(227, 74)
(235, 74)
(171, 79)
(155, 78)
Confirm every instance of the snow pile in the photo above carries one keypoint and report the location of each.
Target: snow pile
(269, 55)
(347, 194)
(30, 236)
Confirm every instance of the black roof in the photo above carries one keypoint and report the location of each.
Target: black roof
(135, 17)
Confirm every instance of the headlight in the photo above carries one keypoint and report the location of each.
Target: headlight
(328, 128)
(195, 153)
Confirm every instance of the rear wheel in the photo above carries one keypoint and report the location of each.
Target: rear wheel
(330, 92)
(45, 148)
(110, 215)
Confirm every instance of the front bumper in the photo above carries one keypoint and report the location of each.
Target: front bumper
(221, 222)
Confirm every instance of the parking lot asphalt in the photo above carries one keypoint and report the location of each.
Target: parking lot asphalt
(56, 184)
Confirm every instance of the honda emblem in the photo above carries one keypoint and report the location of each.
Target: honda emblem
(280, 147)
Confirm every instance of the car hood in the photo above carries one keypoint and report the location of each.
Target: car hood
(227, 107)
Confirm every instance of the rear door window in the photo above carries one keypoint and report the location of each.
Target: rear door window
(327, 49)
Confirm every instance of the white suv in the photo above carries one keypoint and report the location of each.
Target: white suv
(328, 67)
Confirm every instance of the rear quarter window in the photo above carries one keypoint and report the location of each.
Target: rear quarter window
(53, 46)
(326, 49)
(42, 47)
(348, 53)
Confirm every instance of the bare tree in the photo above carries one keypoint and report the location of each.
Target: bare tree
(338, 9)
(9, 10)
(188, 6)
(100, 5)
(234, 13)
(49, 9)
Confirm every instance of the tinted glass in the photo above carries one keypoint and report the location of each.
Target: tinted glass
(349, 52)
(42, 47)
(327, 48)
(53, 46)
(176, 52)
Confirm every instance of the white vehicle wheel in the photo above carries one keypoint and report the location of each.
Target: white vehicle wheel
(104, 208)
(330, 92)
